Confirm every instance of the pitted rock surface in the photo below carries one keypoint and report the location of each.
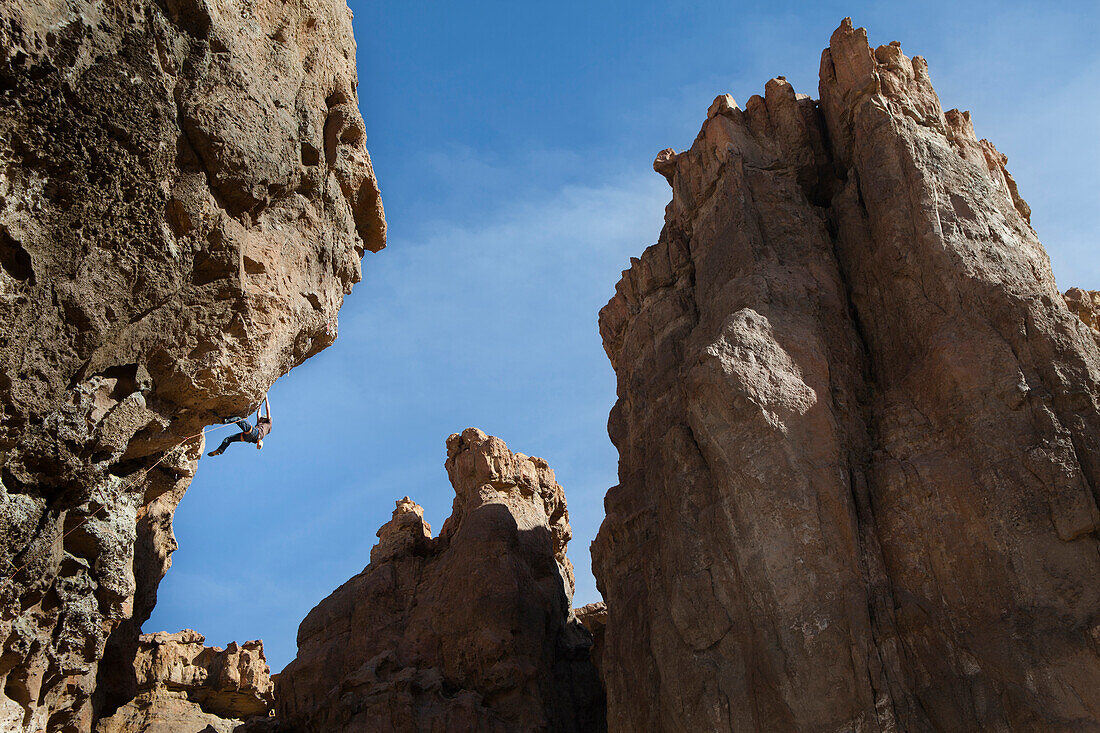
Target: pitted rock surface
(858, 430)
(185, 195)
(471, 630)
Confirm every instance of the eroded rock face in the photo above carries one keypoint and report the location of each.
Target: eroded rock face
(1086, 304)
(184, 199)
(468, 631)
(857, 427)
(184, 685)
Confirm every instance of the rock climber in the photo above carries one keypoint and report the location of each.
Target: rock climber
(249, 434)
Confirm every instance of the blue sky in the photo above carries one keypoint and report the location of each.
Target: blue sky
(513, 143)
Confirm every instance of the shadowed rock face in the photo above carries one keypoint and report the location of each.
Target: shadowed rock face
(184, 199)
(186, 686)
(593, 617)
(857, 427)
(469, 631)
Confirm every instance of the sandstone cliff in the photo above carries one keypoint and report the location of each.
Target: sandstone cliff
(858, 431)
(468, 631)
(185, 195)
(184, 685)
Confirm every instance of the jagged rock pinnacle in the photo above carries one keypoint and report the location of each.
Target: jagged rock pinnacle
(857, 426)
(472, 630)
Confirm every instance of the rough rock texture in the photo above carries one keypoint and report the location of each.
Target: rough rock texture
(469, 631)
(1086, 304)
(184, 199)
(858, 431)
(184, 685)
(154, 544)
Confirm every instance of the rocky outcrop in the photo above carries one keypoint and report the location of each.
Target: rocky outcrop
(858, 431)
(468, 631)
(165, 712)
(184, 199)
(184, 685)
(1086, 305)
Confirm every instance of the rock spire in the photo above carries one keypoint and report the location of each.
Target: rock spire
(858, 428)
(470, 630)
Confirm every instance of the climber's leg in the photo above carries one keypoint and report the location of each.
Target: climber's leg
(225, 443)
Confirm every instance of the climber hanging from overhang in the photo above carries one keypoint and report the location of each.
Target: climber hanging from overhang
(249, 434)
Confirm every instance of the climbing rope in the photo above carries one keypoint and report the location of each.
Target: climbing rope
(133, 482)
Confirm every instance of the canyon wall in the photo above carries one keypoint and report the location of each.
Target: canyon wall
(185, 195)
(858, 430)
(468, 631)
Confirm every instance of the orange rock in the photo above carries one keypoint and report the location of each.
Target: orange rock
(1086, 305)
